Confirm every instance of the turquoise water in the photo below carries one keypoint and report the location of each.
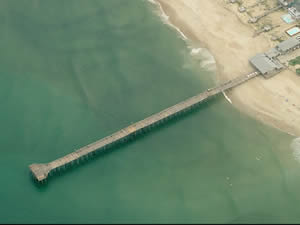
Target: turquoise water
(75, 71)
(288, 18)
(293, 31)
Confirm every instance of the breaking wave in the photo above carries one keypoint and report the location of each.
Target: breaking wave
(207, 60)
(295, 145)
(165, 19)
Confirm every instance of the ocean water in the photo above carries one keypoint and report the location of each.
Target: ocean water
(75, 71)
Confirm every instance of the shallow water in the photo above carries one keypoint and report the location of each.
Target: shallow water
(75, 71)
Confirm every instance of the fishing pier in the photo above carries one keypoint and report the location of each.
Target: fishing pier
(41, 172)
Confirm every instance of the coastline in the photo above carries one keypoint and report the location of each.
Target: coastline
(258, 98)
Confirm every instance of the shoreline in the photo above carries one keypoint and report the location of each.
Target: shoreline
(258, 109)
(166, 19)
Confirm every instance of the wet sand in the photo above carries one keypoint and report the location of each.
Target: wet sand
(275, 101)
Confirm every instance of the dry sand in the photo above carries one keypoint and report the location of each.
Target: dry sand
(275, 101)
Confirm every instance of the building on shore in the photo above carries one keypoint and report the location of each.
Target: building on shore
(293, 11)
(289, 45)
(286, 3)
(268, 67)
(267, 63)
(272, 53)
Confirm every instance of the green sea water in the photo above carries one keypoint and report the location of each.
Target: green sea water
(75, 71)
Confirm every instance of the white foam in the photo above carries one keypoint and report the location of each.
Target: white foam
(208, 61)
(195, 51)
(295, 145)
(228, 99)
(165, 19)
(152, 1)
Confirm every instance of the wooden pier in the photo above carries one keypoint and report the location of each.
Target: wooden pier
(40, 172)
(257, 18)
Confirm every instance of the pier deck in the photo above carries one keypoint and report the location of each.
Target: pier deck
(41, 171)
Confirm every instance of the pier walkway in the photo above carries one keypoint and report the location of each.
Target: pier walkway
(40, 172)
(257, 18)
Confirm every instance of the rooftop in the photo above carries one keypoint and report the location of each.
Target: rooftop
(294, 12)
(289, 44)
(286, 2)
(272, 53)
(264, 64)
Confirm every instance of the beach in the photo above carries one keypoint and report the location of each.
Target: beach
(215, 26)
(74, 72)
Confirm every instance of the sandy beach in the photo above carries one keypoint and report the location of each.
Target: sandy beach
(215, 26)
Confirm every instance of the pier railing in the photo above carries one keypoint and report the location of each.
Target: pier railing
(40, 172)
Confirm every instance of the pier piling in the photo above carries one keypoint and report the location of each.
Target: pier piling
(41, 172)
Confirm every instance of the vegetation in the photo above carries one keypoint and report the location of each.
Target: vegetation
(295, 61)
(298, 72)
